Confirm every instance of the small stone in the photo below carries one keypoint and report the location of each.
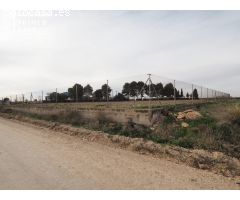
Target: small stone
(189, 114)
(194, 180)
(180, 116)
(185, 125)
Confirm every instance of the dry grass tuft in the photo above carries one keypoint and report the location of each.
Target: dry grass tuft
(235, 114)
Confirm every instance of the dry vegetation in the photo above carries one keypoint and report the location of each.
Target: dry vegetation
(234, 112)
(124, 105)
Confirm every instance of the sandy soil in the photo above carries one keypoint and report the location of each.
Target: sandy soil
(36, 158)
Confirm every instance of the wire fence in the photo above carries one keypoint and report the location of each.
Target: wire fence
(134, 88)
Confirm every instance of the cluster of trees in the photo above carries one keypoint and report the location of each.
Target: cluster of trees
(139, 89)
(80, 93)
(5, 100)
(133, 89)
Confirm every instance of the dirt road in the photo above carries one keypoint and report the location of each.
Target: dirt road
(34, 158)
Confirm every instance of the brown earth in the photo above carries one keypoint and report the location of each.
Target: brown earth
(33, 157)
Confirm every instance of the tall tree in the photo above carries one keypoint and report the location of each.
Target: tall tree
(71, 93)
(153, 90)
(181, 95)
(159, 89)
(168, 90)
(133, 89)
(88, 90)
(119, 97)
(62, 97)
(140, 88)
(106, 91)
(126, 90)
(195, 94)
(54, 97)
(76, 92)
(98, 95)
(177, 93)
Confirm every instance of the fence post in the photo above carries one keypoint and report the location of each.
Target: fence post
(174, 85)
(207, 94)
(31, 97)
(56, 96)
(149, 90)
(107, 91)
(76, 94)
(192, 93)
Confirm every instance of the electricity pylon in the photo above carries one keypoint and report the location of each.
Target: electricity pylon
(149, 83)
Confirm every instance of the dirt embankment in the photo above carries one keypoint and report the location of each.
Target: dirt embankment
(212, 161)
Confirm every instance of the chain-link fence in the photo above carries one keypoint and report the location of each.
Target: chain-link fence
(134, 88)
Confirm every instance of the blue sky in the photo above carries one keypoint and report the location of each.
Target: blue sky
(46, 52)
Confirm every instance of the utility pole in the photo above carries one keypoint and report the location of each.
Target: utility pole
(42, 96)
(149, 82)
(23, 97)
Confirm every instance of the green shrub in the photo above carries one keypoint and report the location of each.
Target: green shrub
(169, 119)
(182, 132)
(224, 132)
(157, 139)
(206, 120)
(116, 128)
(184, 142)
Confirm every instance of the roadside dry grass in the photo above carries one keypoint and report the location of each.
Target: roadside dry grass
(234, 112)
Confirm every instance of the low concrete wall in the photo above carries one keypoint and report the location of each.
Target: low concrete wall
(121, 117)
(141, 118)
